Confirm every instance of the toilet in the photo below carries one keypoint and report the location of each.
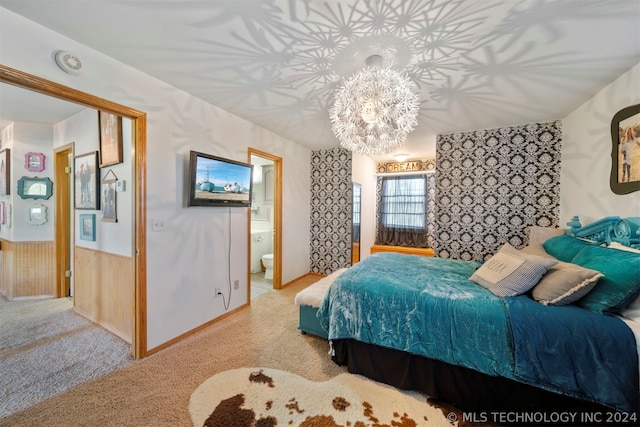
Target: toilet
(267, 260)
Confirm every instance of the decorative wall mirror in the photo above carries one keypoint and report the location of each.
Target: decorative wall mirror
(34, 162)
(36, 214)
(355, 222)
(35, 188)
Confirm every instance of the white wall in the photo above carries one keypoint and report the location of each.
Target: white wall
(29, 137)
(586, 155)
(189, 259)
(82, 130)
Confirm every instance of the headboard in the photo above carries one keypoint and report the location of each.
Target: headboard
(625, 231)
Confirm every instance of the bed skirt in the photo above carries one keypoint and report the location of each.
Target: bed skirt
(466, 389)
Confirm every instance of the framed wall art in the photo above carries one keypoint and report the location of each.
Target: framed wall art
(34, 162)
(36, 214)
(35, 188)
(109, 206)
(86, 182)
(110, 138)
(88, 227)
(5, 176)
(625, 150)
(7, 215)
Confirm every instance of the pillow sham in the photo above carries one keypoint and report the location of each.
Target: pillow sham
(633, 311)
(620, 284)
(621, 247)
(539, 234)
(510, 272)
(565, 247)
(564, 283)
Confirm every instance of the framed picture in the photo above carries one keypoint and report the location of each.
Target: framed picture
(34, 162)
(35, 188)
(88, 227)
(7, 215)
(36, 214)
(5, 176)
(109, 206)
(86, 182)
(625, 151)
(110, 139)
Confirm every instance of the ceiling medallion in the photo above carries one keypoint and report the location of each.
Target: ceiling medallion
(374, 110)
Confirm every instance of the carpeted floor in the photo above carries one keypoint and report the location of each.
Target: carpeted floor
(47, 349)
(155, 391)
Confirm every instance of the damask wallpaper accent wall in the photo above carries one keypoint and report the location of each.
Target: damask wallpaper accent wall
(492, 184)
(331, 204)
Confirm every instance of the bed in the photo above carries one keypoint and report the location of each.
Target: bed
(442, 327)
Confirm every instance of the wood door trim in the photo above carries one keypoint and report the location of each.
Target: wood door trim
(28, 81)
(277, 213)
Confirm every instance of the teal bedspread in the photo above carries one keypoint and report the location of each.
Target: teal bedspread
(398, 301)
(428, 307)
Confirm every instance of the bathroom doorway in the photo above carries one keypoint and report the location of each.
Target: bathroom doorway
(265, 224)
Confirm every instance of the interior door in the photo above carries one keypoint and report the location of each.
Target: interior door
(64, 219)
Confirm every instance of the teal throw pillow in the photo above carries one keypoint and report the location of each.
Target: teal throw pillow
(565, 248)
(620, 284)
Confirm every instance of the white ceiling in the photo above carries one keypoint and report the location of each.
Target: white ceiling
(477, 63)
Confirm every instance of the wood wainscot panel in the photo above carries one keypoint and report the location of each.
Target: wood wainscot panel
(402, 250)
(28, 269)
(102, 290)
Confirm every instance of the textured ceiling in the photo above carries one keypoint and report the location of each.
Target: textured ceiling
(477, 63)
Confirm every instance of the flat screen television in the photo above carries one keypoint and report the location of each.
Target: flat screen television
(215, 181)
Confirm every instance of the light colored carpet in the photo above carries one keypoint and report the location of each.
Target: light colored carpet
(155, 391)
(47, 349)
(270, 397)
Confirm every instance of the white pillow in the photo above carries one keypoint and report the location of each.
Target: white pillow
(510, 272)
(564, 283)
(632, 311)
(538, 235)
(621, 247)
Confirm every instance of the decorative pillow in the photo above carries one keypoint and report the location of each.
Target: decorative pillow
(564, 283)
(620, 284)
(632, 311)
(565, 248)
(621, 247)
(510, 272)
(539, 234)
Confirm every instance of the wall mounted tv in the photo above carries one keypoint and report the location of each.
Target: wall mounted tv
(215, 181)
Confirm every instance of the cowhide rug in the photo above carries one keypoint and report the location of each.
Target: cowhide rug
(263, 397)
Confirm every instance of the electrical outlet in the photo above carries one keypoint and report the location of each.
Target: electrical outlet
(217, 292)
(236, 284)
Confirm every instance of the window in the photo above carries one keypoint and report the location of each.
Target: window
(402, 211)
(404, 202)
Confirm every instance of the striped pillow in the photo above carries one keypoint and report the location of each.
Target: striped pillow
(510, 272)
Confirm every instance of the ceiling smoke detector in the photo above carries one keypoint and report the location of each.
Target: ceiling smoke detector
(68, 62)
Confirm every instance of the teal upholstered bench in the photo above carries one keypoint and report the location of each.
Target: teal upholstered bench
(309, 300)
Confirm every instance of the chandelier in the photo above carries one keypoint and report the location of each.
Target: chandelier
(374, 110)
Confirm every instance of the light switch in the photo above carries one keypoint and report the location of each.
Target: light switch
(158, 225)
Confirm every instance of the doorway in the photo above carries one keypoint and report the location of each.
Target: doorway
(265, 224)
(139, 285)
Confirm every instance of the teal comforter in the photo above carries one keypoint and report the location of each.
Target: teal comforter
(428, 307)
(398, 301)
